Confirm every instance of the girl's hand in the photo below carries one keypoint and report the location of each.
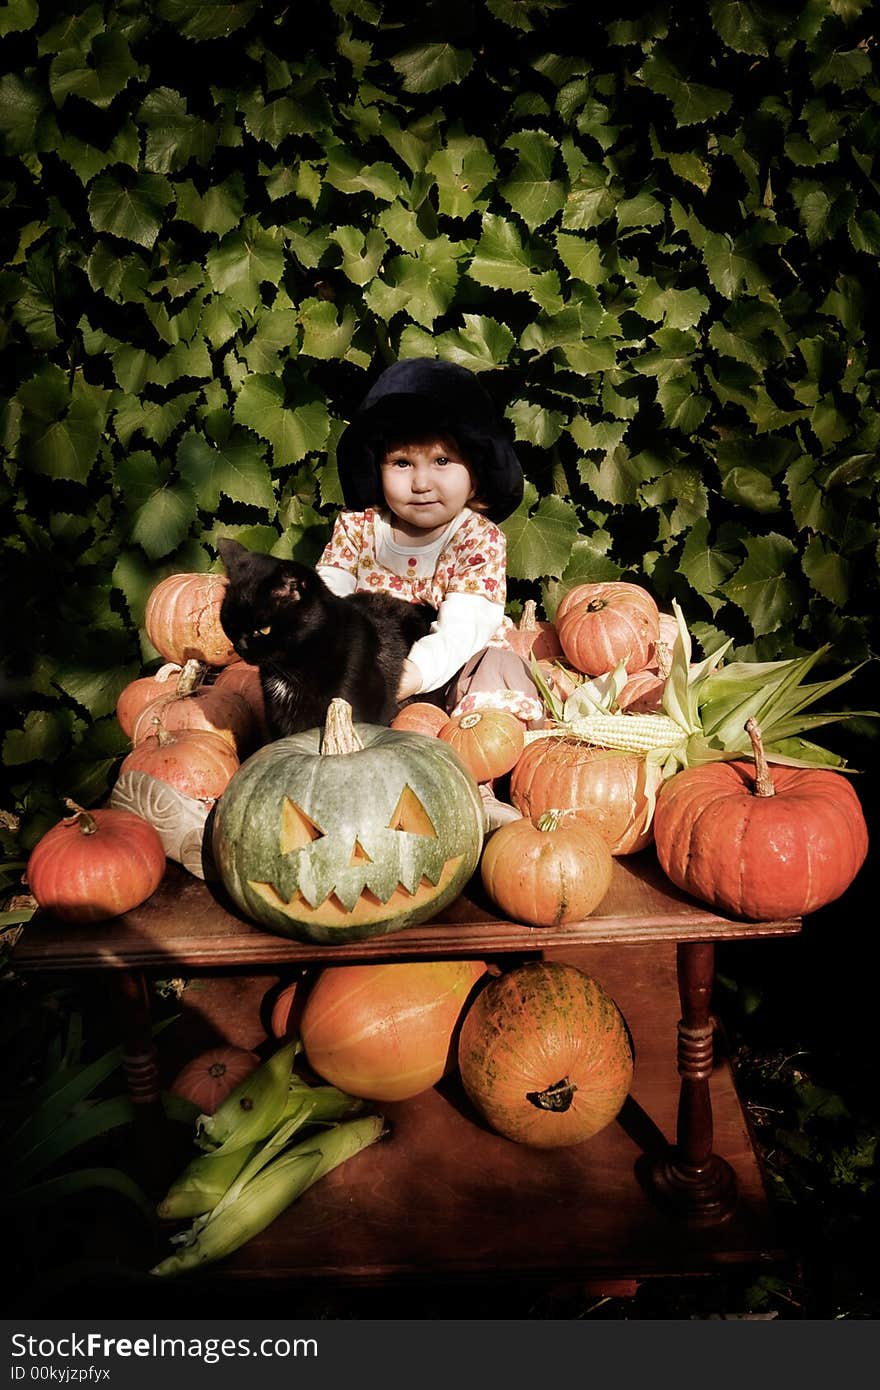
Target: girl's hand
(410, 680)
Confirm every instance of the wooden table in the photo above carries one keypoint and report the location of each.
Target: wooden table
(445, 1195)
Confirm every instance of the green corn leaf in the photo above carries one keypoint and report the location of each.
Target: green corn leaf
(35, 1197)
(93, 1120)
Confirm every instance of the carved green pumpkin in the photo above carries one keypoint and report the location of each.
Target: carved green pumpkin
(327, 839)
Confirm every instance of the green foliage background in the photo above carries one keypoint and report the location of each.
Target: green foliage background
(653, 229)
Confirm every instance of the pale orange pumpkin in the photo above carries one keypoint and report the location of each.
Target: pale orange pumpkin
(600, 625)
(421, 717)
(488, 741)
(207, 1080)
(197, 764)
(533, 636)
(141, 692)
(603, 787)
(182, 619)
(546, 871)
(643, 692)
(209, 709)
(244, 679)
(386, 1032)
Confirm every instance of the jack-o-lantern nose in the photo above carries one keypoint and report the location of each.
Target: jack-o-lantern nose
(409, 814)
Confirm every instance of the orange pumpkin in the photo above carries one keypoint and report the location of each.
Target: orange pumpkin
(600, 625)
(384, 1032)
(547, 871)
(421, 717)
(601, 786)
(141, 692)
(487, 741)
(182, 619)
(545, 1056)
(286, 1011)
(95, 864)
(643, 692)
(244, 679)
(207, 1080)
(209, 710)
(197, 764)
(533, 637)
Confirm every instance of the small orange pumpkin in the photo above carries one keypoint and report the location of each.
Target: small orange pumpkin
(244, 679)
(601, 786)
(488, 741)
(196, 763)
(546, 871)
(533, 636)
(95, 864)
(600, 625)
(421, 717)
(209, 710)
(141, 692)
(207, 1080)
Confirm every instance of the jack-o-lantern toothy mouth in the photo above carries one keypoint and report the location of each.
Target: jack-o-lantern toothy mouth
(299, 830)
(368, 908)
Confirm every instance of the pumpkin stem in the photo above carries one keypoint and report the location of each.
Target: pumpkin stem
(528, 620)
(595, 605)
(557, 1097)
(664, 658)
(191, 676)
(469, 721)
(87, 824)
(763, 781)
(339, 735)
(550, 820)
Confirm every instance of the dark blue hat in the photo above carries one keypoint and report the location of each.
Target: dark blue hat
(418, 395)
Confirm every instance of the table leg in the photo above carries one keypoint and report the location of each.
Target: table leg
(131, 1003)
(699, 1184)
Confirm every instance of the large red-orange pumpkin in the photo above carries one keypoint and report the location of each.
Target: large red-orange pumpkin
(759, 842)
(196, 763)
(182, 619)
(643, 692)
(600, 625)
(487, 741)
(141, 692)
(207, 1080)
(546, 871)
(532, 636)
(545, 1056)
(421, 717)
(603, 787)
(95, 864)
(385, 1032)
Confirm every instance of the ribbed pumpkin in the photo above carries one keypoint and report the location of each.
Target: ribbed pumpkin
(532, 636)
(604, 788)
(196, 763)
(207, 1080)
(141, 692)
(244, 679)
(760, 842)
(544, 1055)
(182, 619)
(643, 692)
(600, 625)
(546, 871)
(385, 1032)
(210, 709)
(94, 865)
(488, 741)
(421, 717)
(349, 832)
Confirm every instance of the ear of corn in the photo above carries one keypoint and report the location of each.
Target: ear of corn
(267, 1194)
(630, 733)
(202, 1184)
(253, 1109)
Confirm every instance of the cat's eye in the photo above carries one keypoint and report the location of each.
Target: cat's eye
(264, 631)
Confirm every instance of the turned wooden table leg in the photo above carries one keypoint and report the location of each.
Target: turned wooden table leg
(131, 1003)
(699, 1184)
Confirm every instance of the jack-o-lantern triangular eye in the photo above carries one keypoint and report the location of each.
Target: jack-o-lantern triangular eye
(297, 830)
(409, 814)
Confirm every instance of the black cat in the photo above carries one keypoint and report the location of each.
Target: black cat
(311, 645)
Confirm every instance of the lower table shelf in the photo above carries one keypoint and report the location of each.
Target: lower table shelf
(445, 1197)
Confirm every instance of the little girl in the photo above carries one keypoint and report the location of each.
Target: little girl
(426, 472)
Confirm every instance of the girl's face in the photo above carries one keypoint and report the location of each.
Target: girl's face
(426, 483)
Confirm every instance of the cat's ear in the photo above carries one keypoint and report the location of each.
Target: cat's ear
(288, 588)
(233, 554)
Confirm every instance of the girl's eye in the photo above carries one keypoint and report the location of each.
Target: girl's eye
(441, 458)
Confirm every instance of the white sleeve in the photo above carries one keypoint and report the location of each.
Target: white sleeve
(340, 582)
(464, 624)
